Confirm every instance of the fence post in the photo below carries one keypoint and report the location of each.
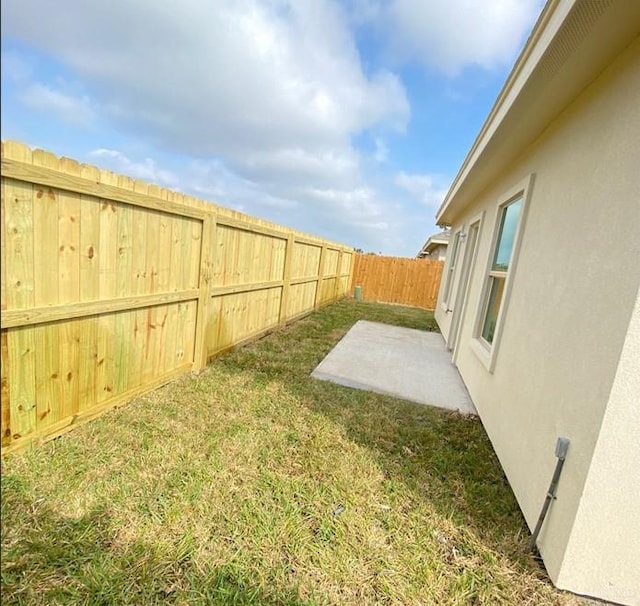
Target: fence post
(336, 293)
(286, 280)
(351, 278)
(353, 274)
(108, 285)
(321, 264)
(207, 250)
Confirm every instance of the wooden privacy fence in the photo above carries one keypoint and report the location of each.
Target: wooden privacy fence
(112, 287)
(398, 280)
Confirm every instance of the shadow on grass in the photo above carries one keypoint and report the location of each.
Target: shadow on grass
(62, 560)
(444, 458)
(428, 456)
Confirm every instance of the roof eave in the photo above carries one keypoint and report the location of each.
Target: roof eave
(547, 75)
(549, 22)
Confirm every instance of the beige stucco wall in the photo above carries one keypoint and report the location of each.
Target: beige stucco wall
(439, 253)
(612, 490)
(573, 293)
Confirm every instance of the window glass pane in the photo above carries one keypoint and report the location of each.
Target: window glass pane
(493, 308)
(454, 254)
(507, 235)
(454, 258)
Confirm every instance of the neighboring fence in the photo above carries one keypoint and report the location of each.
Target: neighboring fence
(112, 287)
(398, 280)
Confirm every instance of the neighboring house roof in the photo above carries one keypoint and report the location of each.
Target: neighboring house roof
(439, 239)
(572, 42)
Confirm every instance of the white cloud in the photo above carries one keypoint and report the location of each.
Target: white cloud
(262, 100)
(449, 35)
(382, 151)
(220, 77)
(213, 181)
(15, 68)
(426, 189)
(267, 95)
(337, 165)
(359, 204)
(146, 170)
(70, 108)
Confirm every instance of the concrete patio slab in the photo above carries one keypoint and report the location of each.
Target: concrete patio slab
(403, 362)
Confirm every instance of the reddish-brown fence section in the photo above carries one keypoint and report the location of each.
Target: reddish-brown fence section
(398, 280)
(112, 287)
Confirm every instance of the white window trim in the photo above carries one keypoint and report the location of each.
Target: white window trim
(451, 271)
(479, 220)
(487, 354)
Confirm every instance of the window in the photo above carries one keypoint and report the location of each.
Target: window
(498, 278)
(510, 215)
(451, 271)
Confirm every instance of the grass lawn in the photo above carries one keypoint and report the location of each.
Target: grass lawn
(255, 484)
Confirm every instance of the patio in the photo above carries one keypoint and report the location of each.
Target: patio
(406, 363)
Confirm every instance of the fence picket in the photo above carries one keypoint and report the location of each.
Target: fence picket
(112, 287)
(398, 280)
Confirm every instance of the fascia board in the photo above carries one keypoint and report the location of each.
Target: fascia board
(545, 30)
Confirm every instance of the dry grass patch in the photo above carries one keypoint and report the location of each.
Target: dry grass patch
(255, 484)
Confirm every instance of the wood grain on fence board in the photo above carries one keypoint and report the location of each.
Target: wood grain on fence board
(112, 286)
(398, 280)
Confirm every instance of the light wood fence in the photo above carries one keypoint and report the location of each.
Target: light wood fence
(112, 287)
(398, 280)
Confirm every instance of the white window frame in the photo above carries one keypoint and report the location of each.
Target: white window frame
(488, 352)
(451, 269)
(479, 221)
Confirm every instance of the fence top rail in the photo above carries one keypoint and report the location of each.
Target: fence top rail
(383, 258)
(20, 162)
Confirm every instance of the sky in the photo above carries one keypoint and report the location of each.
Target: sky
(345, 120)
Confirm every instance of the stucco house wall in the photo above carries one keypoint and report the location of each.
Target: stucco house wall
(608, 494)
(439, 253)
(565, 335)
(435, 248)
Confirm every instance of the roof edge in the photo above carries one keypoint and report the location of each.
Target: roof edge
(543, 33)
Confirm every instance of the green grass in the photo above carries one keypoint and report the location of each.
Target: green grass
(254, 484)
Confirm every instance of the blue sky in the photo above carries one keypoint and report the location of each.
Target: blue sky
(346, 120)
